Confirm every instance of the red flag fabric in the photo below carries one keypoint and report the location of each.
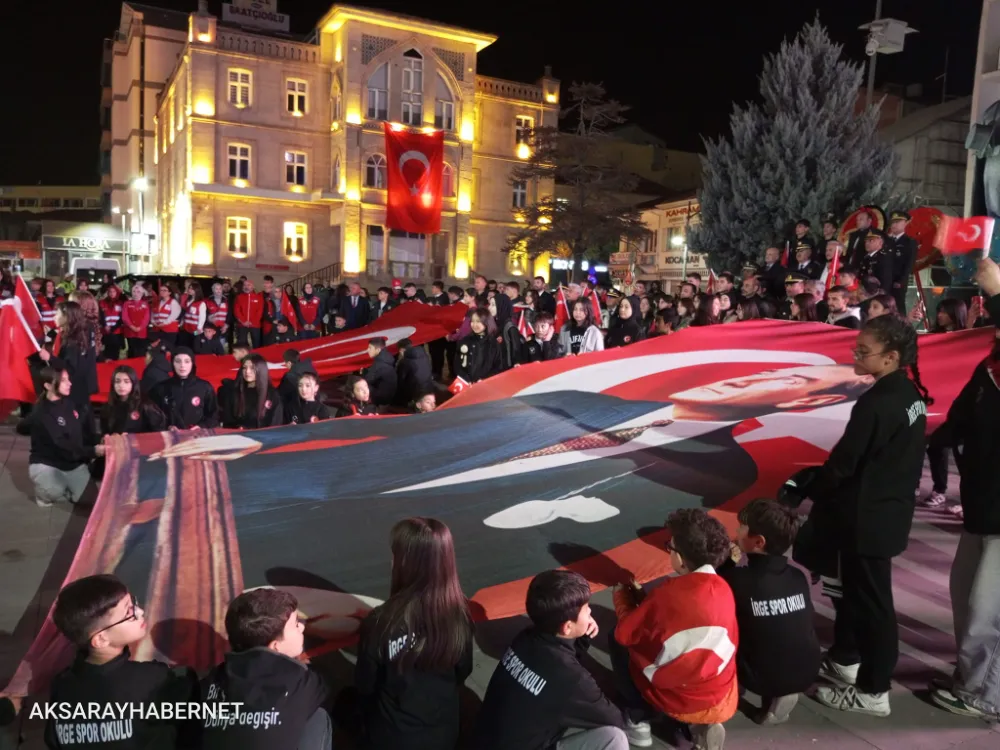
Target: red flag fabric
(595, 307)
(710, 289)
(415, 164)
(16, 345)
(562, 309)
(333, 355)
(523, 326)
(956, 235)
(834, 269)
(785, 256)
(29, 308)
(567, 423)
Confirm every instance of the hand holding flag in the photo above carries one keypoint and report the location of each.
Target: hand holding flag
(458, 385)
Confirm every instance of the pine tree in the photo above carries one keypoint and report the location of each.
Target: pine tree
(800, 153)
(598, 211)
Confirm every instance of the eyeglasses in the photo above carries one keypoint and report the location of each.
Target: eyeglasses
(134, 615)
(860, 357)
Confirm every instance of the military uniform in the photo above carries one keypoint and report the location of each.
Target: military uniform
(878, 264)
(810, 269)
(903, 250)
(784, 311)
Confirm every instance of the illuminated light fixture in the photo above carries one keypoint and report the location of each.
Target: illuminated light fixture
(353, 118)
(115, 210)
(338, 53)
(429, 131)
(204, 37)
(519, 219)
(141, 184)
(551, 98)
(467, 132)
(202, 255)
(295, 258)
(523, 152)
(334, 125)
(461, 268)
(544, 220)
(297, 188)
(464, 206)
(297, 113)
(342, 187)
(353, 195)
(352, 257)
(240, 183)
(397, 126)
(677, 240)
(427, 199)
(204, 108)
(130, 212)
(200, 175)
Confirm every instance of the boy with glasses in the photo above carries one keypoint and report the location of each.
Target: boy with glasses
(101, 618)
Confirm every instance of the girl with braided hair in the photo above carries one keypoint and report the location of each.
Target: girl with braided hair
(863, 503)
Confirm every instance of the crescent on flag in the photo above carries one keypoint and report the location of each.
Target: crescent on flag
(414, 156)
(975, 236)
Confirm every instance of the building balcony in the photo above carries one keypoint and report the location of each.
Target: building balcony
(266, 46)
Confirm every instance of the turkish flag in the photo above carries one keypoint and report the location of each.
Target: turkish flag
(16, 345)
(458, 385)
(562, 309)
(523, 326)
(415, 164)
(29, 308)
(962, 235)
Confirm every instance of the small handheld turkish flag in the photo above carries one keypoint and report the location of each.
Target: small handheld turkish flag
(956, 235)
(414, 171)
(29, 308)
(523, 326)
(458, 386)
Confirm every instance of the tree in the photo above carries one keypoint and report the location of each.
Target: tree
(801, 153)
(597, 212)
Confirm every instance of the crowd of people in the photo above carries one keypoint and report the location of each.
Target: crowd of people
(682, 652)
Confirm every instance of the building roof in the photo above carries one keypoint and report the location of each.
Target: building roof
(911, 125)
(340, 14)
(637, 135)
(161, 17)
(670, 197)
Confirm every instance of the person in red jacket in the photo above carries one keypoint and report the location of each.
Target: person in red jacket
(674, 651)
(111, 321)
(195, 316)
(310, 313)
(217, 307)
(166, 316)
(135, 322)
(277, 307)
(48, 300)
(247, 313)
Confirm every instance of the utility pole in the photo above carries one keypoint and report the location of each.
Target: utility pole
(871, 62)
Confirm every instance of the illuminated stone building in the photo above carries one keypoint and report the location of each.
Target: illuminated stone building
(269, 151)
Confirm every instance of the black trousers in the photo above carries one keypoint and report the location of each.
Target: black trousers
(112, 343)
(631, 699)
(137, 347)
(436, 349)
(865, 631)
(242, 334)
(938, 445)
(168, 339)
(900, 296)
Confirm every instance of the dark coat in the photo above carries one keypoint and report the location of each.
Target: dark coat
(414, 378)
(381, 378)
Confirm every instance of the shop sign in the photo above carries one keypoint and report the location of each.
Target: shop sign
(86, 244)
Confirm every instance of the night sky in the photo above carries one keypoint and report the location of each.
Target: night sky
(678, 64)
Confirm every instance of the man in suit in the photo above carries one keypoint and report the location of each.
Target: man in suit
(772, 273)
(903, 250)
(804, 263)
(856, 240)
(354, 308)
(546, 302)
(802, 235)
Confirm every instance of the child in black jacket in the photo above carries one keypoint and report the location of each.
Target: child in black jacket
(540, 695)
(209, 342)
(779, 655)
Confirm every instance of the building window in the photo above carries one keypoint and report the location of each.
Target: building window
(51, 202)
(295, 90)
(239, 161)
(520, 194)
(7, 203)
(412, 95)
(238, 236)
(240, 83)
(335, 174)
(27, 202)
(447, 181)
(296, 240)
(444, 106)
(105, 162)
(93, 202)
(73, 203)
(295, 168)
(378, 94)
(375, 174)
(523, 126)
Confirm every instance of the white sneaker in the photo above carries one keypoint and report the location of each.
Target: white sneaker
(777, 710)
(842, 674)
(849, 698)
(934, 500)
(43, 503)
(639, 734)
(708, 736)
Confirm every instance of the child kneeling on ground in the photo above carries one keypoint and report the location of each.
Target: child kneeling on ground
(100, 617)
(263, 673)
(673, 651)
(779, 654)
(541, 696)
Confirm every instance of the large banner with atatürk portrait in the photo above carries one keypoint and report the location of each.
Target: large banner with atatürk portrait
(575, 463)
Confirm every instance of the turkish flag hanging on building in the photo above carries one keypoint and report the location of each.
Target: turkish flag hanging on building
(962, 235)
(415, 162)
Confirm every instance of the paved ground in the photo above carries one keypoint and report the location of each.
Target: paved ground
(36, 547)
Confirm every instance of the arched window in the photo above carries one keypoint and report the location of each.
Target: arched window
(375, 175)
(412, 93)
(447, 181)
(378, 94)
(444, 106)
